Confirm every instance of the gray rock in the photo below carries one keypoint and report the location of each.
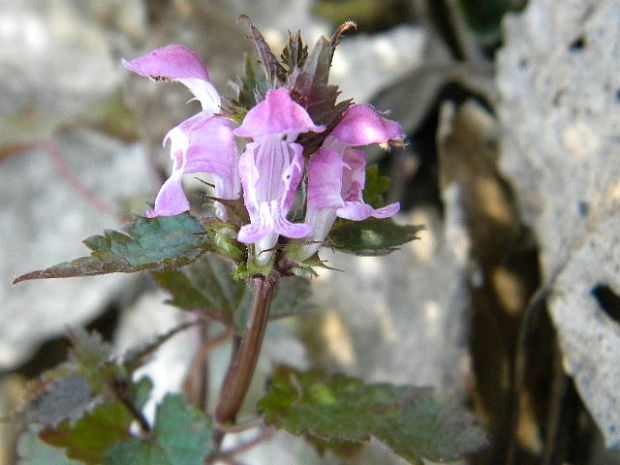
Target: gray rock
(559, 81)
(274, 18)
(399, 318)
(140, 324)
(364, 64)
(56, 62)
(43, 221)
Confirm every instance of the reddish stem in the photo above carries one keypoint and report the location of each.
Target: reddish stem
(244, 360)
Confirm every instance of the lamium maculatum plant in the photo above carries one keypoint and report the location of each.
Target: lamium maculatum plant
(287, 176)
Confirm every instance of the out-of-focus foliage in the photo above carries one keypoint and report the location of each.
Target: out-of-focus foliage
(370, 15)
(485, 17)
(208, 286)
(413, 422)
(182, 435)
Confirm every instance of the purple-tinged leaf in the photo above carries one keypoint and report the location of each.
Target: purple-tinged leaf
(295, 53)
(276, 74)
(150, 243)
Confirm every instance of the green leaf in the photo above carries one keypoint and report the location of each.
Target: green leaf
(91, 377)
(376, 187)
(150, 243)
(89, 439)
(32, 451)
(208, 285)
(182, 436)
(73, 388)
(484, 17)
(140, 392)
(88, 349)
(413, 422)
(371, 237)
(250, 89)
(91, 357)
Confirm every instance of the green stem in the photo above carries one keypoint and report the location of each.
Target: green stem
(244, 361)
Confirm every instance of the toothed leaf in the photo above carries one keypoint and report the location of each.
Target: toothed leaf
(89, 439)
(208, 285)
(371, 237)
(150, 243)
(414, 422)
(182, 436)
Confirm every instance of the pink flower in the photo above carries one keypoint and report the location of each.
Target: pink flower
(337, 173)
(271, 168)
(202, 143)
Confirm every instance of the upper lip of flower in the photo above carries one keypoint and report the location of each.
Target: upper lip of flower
(277, 115)
(178, 63)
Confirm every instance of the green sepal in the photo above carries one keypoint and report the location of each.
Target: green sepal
(414, 422)
(223, 244)
(150, 243)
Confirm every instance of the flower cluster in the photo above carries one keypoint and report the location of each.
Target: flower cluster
(269, 172)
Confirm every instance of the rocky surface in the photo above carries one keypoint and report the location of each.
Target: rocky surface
(559, 83)
(44, 219)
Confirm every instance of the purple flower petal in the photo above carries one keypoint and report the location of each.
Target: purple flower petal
(387, 211)
(201, 143)
(209, 146)
(293, 230)
(178, 63)
(325, 180)
(270, 172)
(356, 211)
(363, 125)
(277, 115)
(169, 63)
(353, 182)
(253, 232)
(336, 180)
(354, 177)
(171, 199)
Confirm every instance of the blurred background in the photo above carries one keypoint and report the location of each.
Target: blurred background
(510, 299)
